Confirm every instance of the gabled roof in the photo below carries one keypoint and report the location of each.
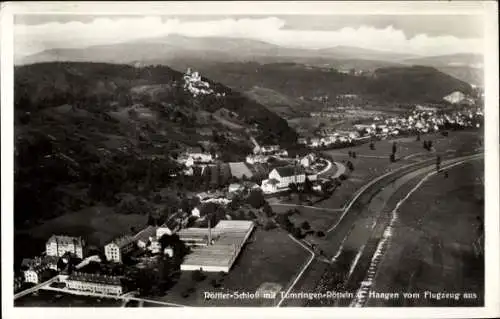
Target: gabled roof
(122, 241)
(51, 260)
(144, 234)
(286, 171)
(171, 224)
(65, 240)
(37, 268)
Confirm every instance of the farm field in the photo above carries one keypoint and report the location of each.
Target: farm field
(240, 169)
(320, 220)
(409, 151)
(425, 253)
(268, 257)
(407, 146)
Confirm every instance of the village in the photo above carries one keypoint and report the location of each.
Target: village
(421, 120)
(208, 233)
(200, 239)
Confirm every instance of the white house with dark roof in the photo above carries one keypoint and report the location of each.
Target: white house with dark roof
(118, 248)
(34, 274)
(58, 245)
(287, 175)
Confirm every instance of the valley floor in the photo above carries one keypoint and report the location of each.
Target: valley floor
(435, 244)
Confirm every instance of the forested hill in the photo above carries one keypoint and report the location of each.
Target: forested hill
(101, 88)
(416, 83)
(409, 84)
(87, 132)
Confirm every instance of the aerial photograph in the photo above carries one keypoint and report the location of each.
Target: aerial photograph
(248, 160)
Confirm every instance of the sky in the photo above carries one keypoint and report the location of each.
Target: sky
(416, 34)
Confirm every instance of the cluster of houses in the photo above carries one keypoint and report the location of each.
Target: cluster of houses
(190, 160)
(269, 150)
(333, 115)
(330, 139)
(421, 120)
(60, 249)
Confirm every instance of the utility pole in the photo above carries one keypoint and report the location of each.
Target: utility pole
(209, 229)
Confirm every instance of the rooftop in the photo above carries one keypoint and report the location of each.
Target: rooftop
(230, 236)
(65, 240)
(145, 234)
(50, 259)
(38, 268)
(286, 171)
(171, 223)
(122, 241)
(95, 278)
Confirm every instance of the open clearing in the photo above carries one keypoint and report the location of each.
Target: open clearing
(432, 247)
(317, 218)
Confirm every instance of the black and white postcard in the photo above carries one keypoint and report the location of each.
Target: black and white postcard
(265, 158)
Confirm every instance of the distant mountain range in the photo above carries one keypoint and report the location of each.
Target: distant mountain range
(451, 60)
(285, 79)
(180, 52)
(209, 48)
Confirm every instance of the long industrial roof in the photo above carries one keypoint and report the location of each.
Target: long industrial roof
(231, 236)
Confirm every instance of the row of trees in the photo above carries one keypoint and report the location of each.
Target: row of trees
(300, 232)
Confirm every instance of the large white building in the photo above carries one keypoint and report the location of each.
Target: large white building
(34, 274)
(118, 248)
(228, 238)
(59, 245)
(95, 283)
(287, 175)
